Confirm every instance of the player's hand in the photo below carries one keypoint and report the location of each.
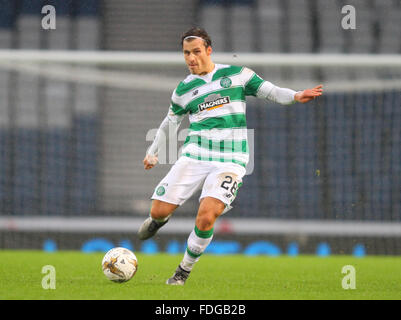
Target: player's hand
(149, 162)
(309, 94)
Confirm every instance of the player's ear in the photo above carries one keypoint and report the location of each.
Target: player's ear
(209, 50)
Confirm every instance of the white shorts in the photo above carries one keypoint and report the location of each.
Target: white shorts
(220, 180)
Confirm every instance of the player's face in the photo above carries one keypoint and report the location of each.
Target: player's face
(197, 56)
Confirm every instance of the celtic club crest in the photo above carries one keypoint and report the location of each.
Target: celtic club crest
(160, 191)
(225, 82)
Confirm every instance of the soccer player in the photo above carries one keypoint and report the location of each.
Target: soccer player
(215, 153)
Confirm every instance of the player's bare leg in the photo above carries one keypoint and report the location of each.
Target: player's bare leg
(159, 216)
(209, 210)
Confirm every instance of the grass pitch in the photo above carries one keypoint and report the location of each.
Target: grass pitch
(79, 277)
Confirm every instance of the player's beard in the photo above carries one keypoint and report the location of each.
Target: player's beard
(198, 70)
(194, 69)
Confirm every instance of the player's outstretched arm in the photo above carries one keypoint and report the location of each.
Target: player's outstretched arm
(308, 94)
(285, 96)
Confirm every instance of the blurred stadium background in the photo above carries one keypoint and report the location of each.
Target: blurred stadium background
(326, 175)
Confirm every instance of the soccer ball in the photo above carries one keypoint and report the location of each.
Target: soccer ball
(119, 264)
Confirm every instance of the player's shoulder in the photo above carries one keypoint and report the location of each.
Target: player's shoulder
(189, 83)
(227, 70)
(243, 72)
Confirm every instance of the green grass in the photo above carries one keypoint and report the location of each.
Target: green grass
(79, 276)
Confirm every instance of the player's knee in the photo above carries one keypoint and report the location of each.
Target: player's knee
(161, 210)
(157, 214)
(206, 218)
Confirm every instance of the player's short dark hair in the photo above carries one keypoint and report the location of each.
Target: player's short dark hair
(197, 32)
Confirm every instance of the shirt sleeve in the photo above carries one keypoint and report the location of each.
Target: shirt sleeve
(171, 122)
(260, 88)
(276, 94)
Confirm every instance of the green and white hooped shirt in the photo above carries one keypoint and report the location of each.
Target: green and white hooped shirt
(216, 107)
